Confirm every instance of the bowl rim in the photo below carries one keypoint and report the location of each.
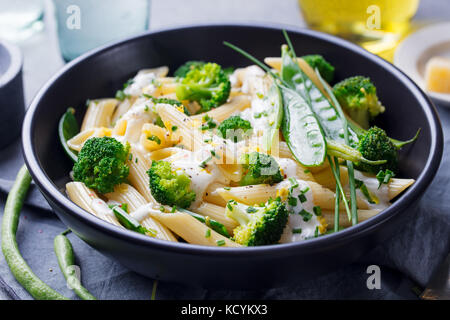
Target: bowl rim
(51, 191)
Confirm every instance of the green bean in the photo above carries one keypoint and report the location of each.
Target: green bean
(18, 266)
(66, 260)
(67, 129)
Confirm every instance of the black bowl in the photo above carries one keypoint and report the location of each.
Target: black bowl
(101, 72)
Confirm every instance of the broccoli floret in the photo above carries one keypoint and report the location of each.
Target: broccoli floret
(326, 70)
(207, 84)
(101, 164)
(170, 187)
(376, 145)
(358, 97)
(258, 225)
(260, 168)
(183, 70)
(232, 124)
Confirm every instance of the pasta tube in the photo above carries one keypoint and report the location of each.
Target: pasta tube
(343, 220)
(192, 230)
(217, 213)
(235, 105)
(125, 193)
(99, 114)
(89, 201)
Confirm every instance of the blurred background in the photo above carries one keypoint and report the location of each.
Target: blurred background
(51, 31)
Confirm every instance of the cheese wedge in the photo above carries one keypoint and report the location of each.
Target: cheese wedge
(437, 75)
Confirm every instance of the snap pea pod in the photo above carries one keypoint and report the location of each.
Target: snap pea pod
(18, 266)
(213, 224)
(67, 129)
(302, 130)
(307, 141)
(326, 113)
(66, 260)
(274, 117)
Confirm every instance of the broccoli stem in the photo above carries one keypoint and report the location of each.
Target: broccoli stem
(348, 153)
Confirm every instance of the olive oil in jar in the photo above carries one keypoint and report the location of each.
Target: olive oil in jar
(377, 25)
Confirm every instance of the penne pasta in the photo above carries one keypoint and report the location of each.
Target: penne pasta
(395, 186)
(192, 230)
(89, 201)
(125, 193)
(217, 213)
(234, 106)
(344, 222)
(122, 108)
(251, 195)
(99, 114)
(139, 163)
(77, 142)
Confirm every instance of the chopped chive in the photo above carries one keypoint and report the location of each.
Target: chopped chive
(208, 233)
(130, 157)
(317, 210)
(136, 160)
(220, 242)
(174, 128)
(297, 230)
(305, 190)
(227, 188)
(204, 163)
(302, 198)
(154, 139)
(293, 182)
(251, 209)
(306, 215)
(316, 232)
(292, 201)
(161, 208)
(306, 171)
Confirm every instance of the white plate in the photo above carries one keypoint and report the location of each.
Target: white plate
(414, 52)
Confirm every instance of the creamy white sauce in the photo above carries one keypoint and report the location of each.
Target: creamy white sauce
(296, 221)
(142, 212)
(189, 163)
(288, 167)
(140, 81)
(101, 207)
(249, 76)
(372, 185)
(140, 113)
